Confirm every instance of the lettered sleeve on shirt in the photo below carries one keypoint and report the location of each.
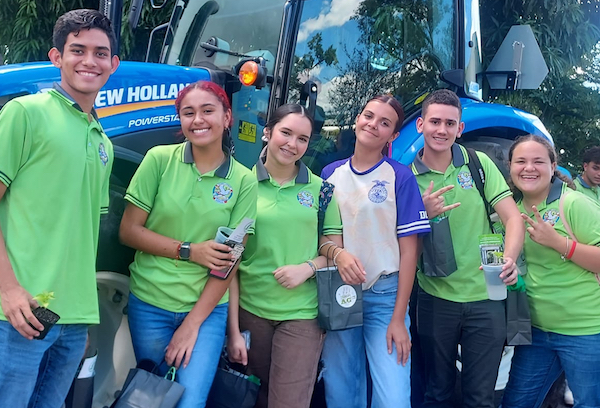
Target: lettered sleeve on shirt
(583, 215)
(495, 187)
(245, 206)
(144, 185)
(411, 215)
(15, 141)
(105, 198)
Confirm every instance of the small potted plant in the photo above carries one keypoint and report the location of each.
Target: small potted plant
(495, 286)
(45, 316)
(498, 258)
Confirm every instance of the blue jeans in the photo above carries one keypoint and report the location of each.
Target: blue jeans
(151, 331)
(39, 373)
(345, 355)
(536, 367)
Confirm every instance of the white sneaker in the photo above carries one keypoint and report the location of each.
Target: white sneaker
(568, 397)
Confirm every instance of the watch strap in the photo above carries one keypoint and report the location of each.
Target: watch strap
(183, 251)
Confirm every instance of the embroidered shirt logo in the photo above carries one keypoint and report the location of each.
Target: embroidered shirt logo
(551, 216)
(378, 193)
(345, 296)
(102, 154)
(465, 179)
(306, 198)
(222, 192)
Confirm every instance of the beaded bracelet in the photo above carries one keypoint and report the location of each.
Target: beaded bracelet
(336, 255)
(564, 255)
(177, 251)
(177, 258)
(323, 244)
(312, 266)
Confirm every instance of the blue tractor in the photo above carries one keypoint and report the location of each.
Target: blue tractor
(327, 54)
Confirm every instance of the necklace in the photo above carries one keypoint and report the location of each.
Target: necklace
(282, 182)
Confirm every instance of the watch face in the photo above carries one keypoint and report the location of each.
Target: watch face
(184, 251)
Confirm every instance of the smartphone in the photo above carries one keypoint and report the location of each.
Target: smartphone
(246, 336)
(237, 250)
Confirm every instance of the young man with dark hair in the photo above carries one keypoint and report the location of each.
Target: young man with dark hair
(589, 180)
(453, 307)
(55, 164)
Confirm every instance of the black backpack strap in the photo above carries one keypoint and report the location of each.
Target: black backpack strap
(478, 176)
(325, 196)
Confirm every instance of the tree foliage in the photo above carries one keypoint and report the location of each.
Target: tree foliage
(26, 29)
(567, 32)
(396, 54)
(135, 44)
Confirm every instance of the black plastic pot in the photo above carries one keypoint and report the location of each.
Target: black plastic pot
(46, 317)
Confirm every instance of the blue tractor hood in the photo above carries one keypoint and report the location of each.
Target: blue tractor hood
(138, 96)
(478, 116)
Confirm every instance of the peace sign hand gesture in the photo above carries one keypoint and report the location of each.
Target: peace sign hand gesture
(542, 232)
(434, 202)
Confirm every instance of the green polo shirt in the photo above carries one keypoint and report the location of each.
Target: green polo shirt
(56, 164)
(286, 228)
(586, 189)
(187, 206)
(467, 222)
(563, 297)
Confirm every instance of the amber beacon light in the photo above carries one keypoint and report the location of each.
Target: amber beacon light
(252, 72)
(248, 73)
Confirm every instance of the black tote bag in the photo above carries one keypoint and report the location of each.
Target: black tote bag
(232, 388)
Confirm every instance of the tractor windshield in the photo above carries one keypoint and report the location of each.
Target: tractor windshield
(226, 25)
(355, 49)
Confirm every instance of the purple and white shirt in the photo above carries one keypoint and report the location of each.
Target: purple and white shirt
(377, 206)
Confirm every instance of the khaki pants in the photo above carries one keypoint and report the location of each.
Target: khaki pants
(285, 356)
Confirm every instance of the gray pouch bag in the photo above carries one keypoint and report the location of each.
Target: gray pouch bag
(340, 304)
(438, 259)
(143, 389)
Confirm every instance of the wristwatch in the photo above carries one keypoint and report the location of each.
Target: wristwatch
(184, 251)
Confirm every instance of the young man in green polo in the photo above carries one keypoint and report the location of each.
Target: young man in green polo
(55, 164)
(455, 309)
(589, 180)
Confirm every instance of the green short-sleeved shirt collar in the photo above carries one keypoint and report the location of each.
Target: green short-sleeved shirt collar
(186, 206)
(57, 166)
(187, 156)
(586, 189)
(68, 97)
(582, 181)
(288, 224)
(458, 160)
(262, 174)
(563, 297)
(554, 194)
(466, 222)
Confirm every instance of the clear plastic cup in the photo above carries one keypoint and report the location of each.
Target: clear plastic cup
(222, 234)
(495, 287)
